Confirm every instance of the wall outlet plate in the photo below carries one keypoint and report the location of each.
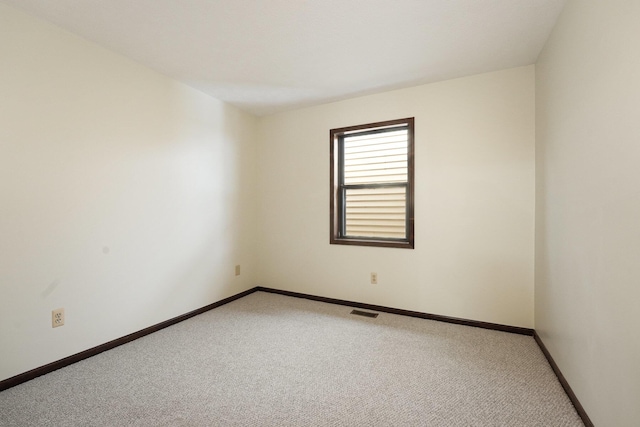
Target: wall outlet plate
(238, 270)
(57, 317)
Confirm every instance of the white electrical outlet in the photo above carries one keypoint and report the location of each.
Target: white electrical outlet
(374, 278)
(238, 270)
(57, 317)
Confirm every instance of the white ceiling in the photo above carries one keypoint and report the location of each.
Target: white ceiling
(272, 55)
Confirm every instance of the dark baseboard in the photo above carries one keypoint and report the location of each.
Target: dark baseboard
(513, 329)
(42, 370)
(439, 318)
(29, 375)
(565, 385)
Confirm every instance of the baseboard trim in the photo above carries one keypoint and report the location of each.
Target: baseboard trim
(53, 366)
(563, 381)
(439, 318)
(485, 325)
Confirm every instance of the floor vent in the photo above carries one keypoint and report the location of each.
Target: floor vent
(364, 313)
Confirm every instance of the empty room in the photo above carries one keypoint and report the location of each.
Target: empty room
(320, 213)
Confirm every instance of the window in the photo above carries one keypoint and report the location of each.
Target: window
(372, 184)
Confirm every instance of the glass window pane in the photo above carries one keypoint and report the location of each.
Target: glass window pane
(379, 212)
(376, 158)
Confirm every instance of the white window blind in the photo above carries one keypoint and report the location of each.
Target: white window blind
(375, 177)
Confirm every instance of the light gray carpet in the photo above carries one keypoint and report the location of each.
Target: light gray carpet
(271, 360)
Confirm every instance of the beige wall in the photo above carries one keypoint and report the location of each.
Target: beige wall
(99, 154)
(474, 201)
(588, 205)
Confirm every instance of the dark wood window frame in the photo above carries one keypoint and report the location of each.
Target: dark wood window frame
(338, 188)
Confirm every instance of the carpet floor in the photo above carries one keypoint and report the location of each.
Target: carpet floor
(272, 360)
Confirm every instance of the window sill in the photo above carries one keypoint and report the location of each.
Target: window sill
(372, 242)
